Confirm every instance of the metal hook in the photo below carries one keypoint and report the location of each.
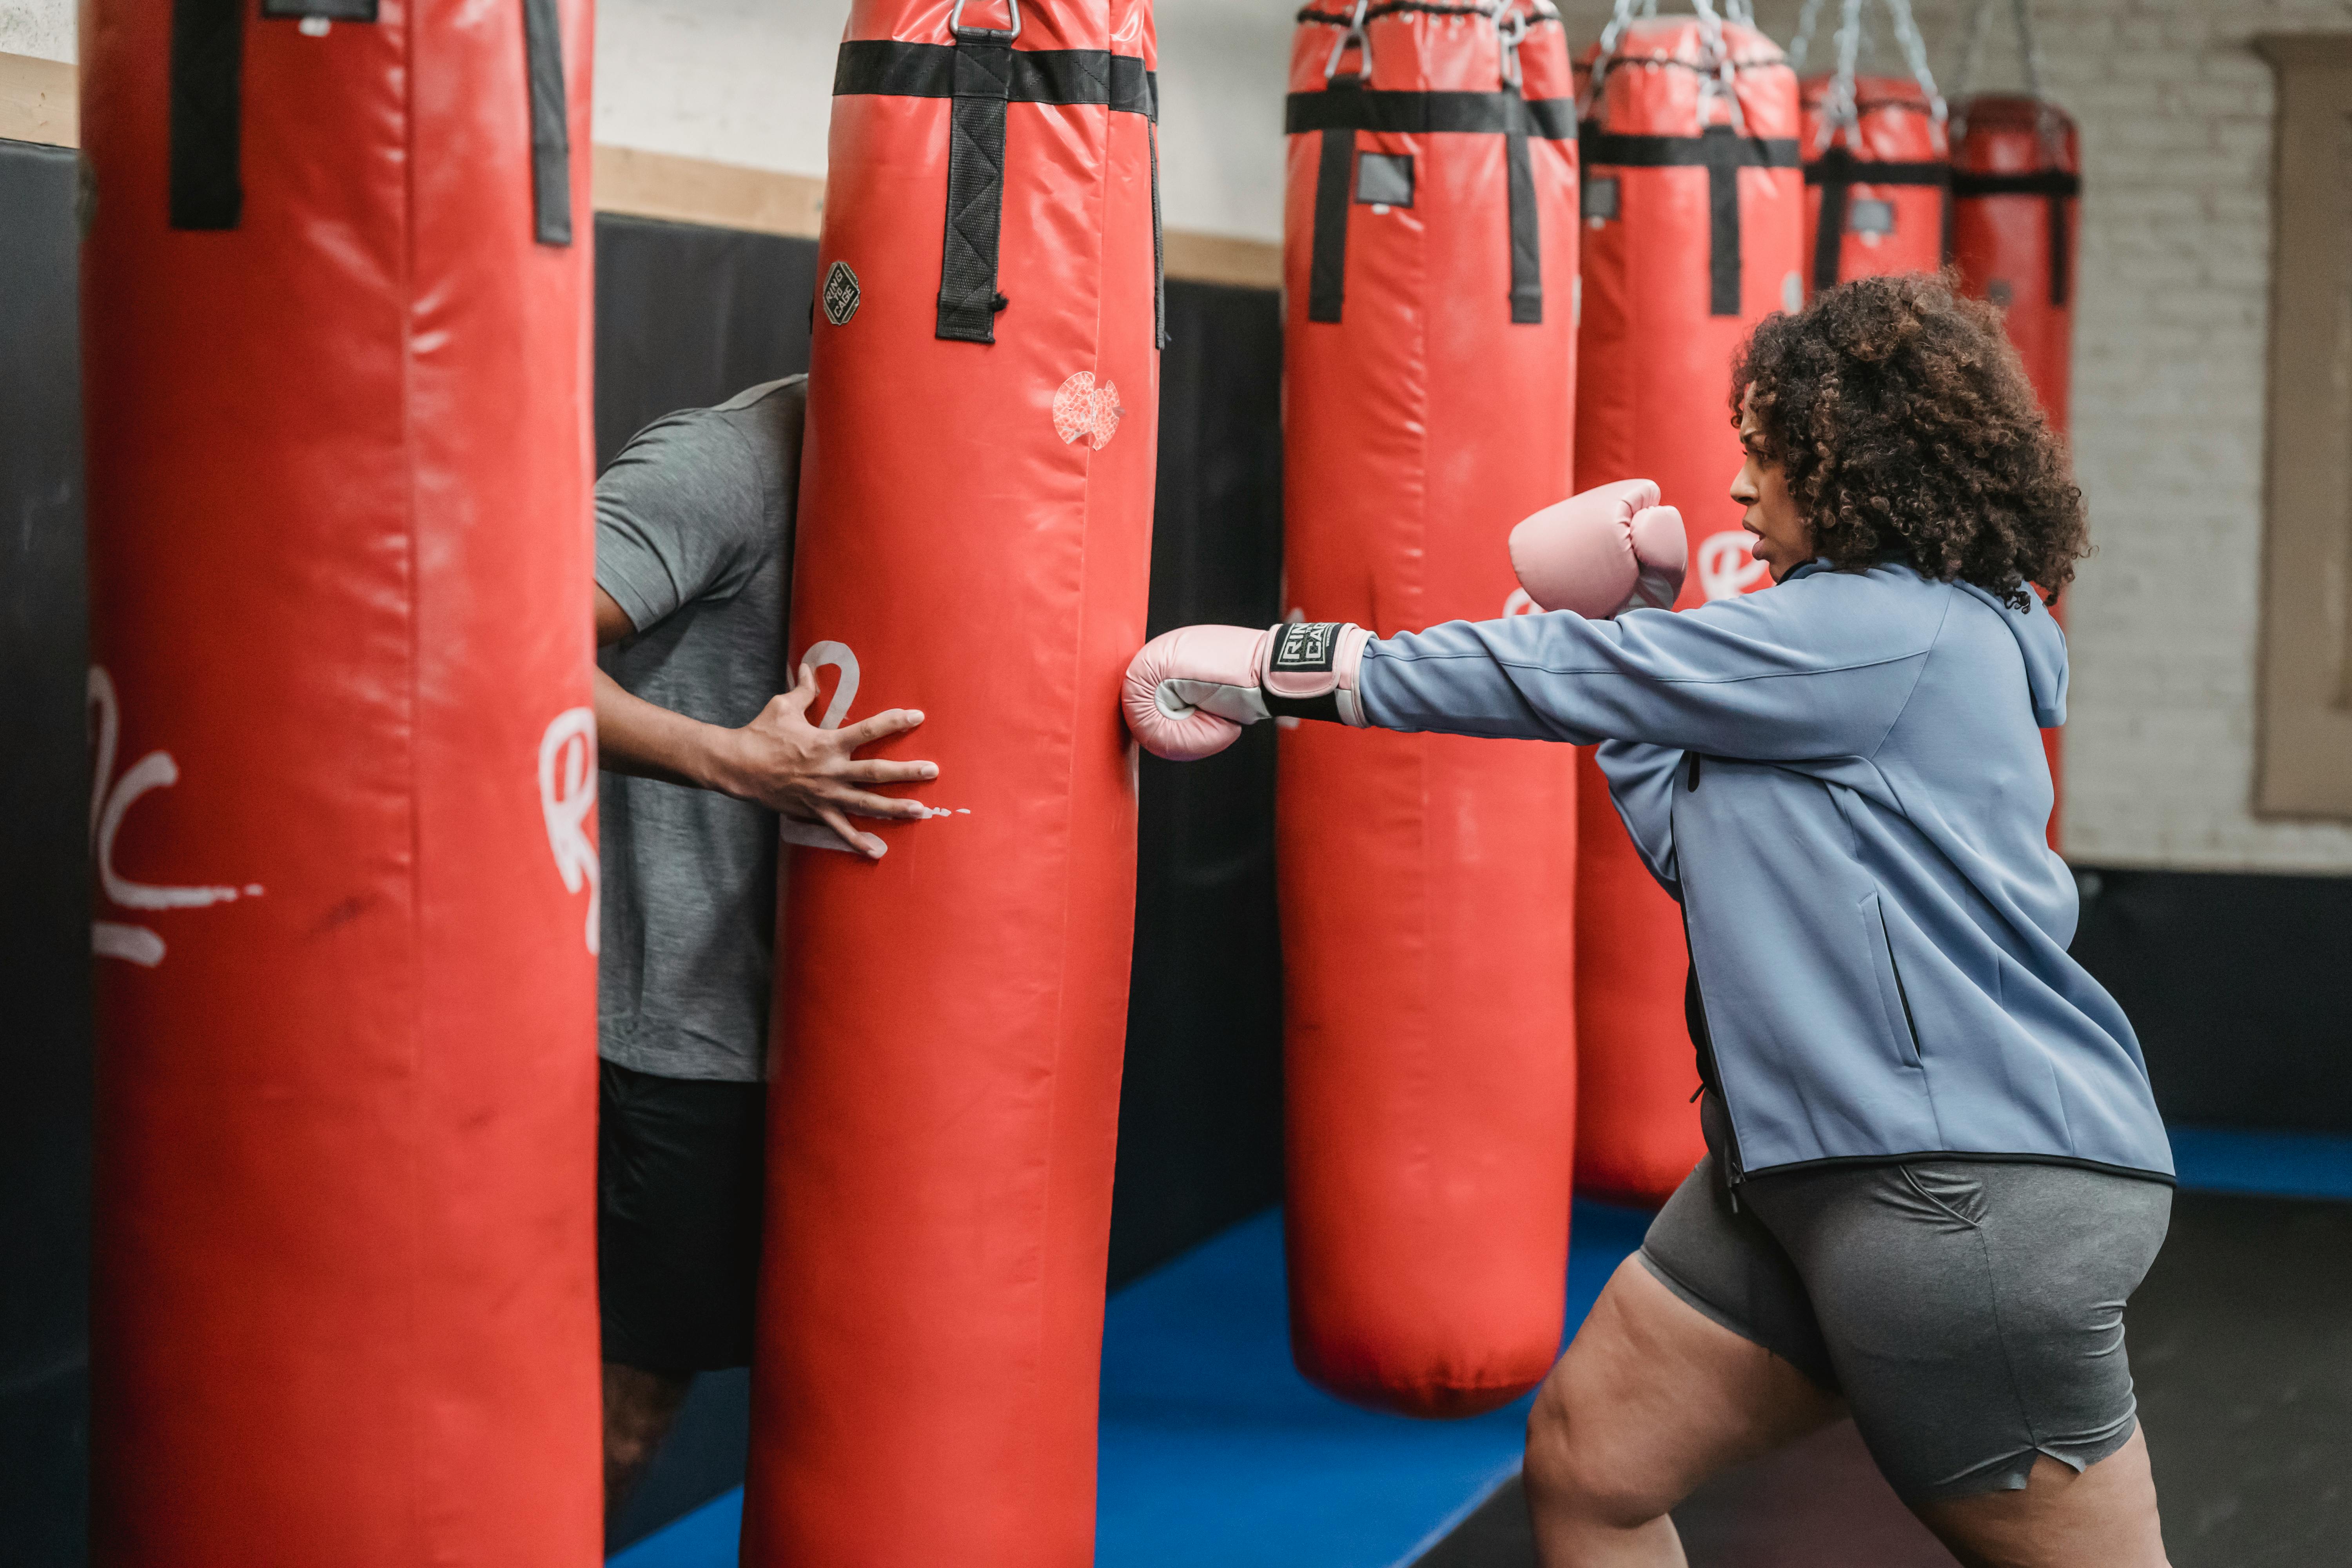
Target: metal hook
(1507, 40)
(1360, 39)
(956, 28)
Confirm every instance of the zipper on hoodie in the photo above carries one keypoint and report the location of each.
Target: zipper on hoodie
(1710, 1072)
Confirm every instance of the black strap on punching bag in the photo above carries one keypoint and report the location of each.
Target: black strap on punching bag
(208, 182)
(984, 86)
(1327, 267)
(550, 129)
(983, 73)
(1527, 238)
(207, 70)
(2055, 185)
(1346, 107)
(1837, 172)
(1723, 153)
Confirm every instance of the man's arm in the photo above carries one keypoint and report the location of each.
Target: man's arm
(779, 760)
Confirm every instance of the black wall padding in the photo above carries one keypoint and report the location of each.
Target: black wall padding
(688, 316)
(45, 1045)
(1200, 1119)
(2238, 986)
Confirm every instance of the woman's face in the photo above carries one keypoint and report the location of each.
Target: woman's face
(1784, 541)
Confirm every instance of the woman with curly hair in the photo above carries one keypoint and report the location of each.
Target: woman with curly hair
(1936, 1170)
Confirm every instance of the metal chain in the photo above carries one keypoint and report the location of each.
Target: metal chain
(1914, 51)
(1719, 76)
(1972, 57)
(1804, 38)
(1839, 112)
(1619, 19)
(2029, 49)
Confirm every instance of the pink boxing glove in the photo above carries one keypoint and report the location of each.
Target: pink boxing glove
(1610, 550)
(1190, 691)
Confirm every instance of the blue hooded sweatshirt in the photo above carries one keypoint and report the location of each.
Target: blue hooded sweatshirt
(1840, 779)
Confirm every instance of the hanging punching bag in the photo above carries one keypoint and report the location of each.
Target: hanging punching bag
(1692, 202)
(2016, 184)
(335, 351)
(1430, 352)
(1877, 179)
(974, 541)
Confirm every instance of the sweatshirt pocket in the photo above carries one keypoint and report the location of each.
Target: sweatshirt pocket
(1893, 1004)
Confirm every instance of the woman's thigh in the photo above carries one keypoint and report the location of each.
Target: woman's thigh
(1669, 1377)
(1650, 1398)
(2105, 1514)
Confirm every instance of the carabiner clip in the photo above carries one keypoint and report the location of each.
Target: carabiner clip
(993, 34)
(1355, 35)
(1506, 41)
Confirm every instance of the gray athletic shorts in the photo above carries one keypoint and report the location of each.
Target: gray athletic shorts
(1970, 1312)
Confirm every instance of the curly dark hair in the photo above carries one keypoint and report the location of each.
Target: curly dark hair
(1907, 430)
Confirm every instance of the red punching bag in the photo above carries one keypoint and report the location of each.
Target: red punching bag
(974, 541)
(1692, 202)
(335, 352)
(1877, 178)
(1430, 353)
(2016, 184)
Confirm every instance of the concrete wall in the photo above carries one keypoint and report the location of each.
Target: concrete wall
(2175, 110)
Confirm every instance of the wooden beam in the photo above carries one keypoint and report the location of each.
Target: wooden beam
(1220, 258)
(696, 190)
(39, 101)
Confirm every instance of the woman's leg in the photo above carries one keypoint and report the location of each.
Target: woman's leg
(1651, 1398)
(2106, 1514)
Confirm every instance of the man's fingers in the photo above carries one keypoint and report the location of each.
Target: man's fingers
(881, 727)
(866, 844)
(803, 692)
(884, 805)
(874, 770)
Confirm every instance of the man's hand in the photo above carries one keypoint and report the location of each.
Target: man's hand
(784, 763)
(779, 760)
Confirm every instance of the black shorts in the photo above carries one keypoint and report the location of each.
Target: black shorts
(1971, 1311)
(679, 1173)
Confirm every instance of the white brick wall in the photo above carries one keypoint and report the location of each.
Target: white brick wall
(2175, 112)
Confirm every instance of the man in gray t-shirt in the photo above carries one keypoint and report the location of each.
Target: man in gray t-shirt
(700, 752)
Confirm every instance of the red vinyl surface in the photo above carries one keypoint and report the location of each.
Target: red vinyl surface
(340, 561)
(1427, 941)
(975, 535)
(1652, 404)
(2001, 244)
(1893, 124)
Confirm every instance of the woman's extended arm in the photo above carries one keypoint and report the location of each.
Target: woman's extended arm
(1819, 665)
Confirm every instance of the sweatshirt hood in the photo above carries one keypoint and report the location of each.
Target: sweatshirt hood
(2043, 646)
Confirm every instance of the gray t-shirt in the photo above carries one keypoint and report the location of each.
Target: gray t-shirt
(694, 528)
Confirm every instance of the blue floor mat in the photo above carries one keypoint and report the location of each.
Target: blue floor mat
(2274, 1164)
(1215, 1451)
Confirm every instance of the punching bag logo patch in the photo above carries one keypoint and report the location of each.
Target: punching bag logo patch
(841, 294)
(109, 801)
(567, 799)
(1082, 409)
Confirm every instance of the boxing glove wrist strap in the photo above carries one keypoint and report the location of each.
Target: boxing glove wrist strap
(1311, 671)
